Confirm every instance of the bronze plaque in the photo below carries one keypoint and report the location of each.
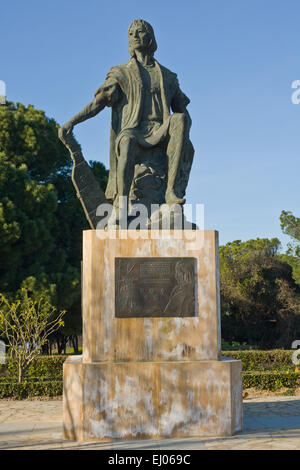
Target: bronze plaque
(155, 287)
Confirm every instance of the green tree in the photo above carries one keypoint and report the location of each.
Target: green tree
(41, 218)
(26, 325)
(290, 225)
(27, 224)
(259, 298)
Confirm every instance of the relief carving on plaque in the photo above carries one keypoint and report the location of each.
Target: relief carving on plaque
(155, 287)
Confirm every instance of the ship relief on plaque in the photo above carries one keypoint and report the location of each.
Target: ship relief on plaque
(155, 287)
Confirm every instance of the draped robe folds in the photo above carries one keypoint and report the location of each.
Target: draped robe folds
(124, 91)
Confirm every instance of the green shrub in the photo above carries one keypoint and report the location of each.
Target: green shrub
(267, 370)
(42, 366)
(252, 360)
(44, 377)
(13, 389)
(271, 380)
(256, 360)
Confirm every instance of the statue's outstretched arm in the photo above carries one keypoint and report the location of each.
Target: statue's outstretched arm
(87, 187)
(90, 110)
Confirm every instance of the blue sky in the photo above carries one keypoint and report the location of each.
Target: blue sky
(235, 59)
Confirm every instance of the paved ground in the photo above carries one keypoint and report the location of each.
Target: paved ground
(269, 423)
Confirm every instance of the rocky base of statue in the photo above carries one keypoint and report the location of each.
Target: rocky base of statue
(151, 364)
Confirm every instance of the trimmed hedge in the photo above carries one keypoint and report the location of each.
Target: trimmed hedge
(271, 380)
(42, 378)
(31, 388)
(252, 360)
(267, 370)
(42, 366)
(256, 360)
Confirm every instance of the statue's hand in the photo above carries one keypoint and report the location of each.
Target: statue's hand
(65, 131)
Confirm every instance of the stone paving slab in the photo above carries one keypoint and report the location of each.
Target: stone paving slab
(269, 423)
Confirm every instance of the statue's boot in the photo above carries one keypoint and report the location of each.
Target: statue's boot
(171, 198)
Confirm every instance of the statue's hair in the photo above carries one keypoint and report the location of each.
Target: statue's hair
(149, 29)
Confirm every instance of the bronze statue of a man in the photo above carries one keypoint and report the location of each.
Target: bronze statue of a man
(150, 151)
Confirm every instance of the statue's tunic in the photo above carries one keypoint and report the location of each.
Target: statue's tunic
(141, 99)
(152, 110)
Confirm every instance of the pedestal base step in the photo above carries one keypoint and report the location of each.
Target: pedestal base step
(151, 400)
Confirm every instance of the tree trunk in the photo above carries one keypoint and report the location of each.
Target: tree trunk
(74, 340)
(61, 344)
(20, 374)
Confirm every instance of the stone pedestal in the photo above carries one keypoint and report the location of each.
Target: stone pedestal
(150, 376)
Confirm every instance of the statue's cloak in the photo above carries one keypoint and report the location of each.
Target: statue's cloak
(124, 90)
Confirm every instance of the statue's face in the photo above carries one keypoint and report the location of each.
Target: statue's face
(138, 37)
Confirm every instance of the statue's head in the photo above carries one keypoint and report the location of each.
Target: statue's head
(141, 36)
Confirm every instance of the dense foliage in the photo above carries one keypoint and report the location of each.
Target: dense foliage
(291, 226)
(257, 360)
(19, 391)
(259, 296)
(41, 219)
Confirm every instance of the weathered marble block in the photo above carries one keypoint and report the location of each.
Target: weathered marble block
(144, 400)
(150, 376)
(107, 338)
